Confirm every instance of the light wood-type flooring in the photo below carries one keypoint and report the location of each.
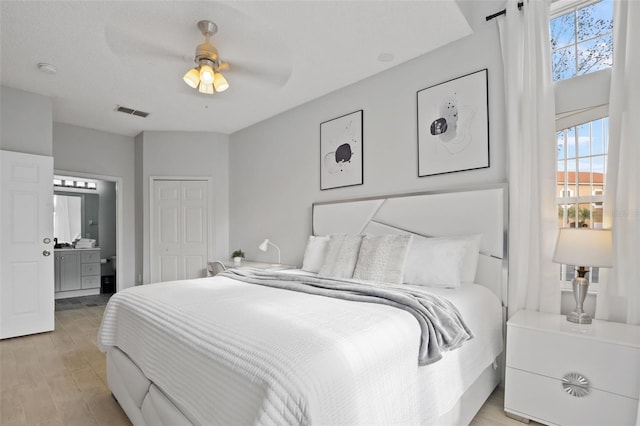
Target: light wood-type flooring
(60, 378)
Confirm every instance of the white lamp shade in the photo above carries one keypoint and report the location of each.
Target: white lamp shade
(584, 247)
(220, 83)
(205, 88)
(206, 74)
(192, 78)
(264, 244)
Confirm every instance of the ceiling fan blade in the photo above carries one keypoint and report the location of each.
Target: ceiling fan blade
(272, 74)
(126, 43)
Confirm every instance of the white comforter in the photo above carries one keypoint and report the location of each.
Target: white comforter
(227, 352)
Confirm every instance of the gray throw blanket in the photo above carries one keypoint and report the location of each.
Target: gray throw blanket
(442, 327)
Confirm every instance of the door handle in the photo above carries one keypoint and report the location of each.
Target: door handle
(46, 253)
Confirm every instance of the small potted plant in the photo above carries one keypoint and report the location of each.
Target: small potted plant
(237, 256)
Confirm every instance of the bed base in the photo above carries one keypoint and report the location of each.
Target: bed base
(145, 404)
(139, 398)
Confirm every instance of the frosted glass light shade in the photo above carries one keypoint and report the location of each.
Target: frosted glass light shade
(584, 247)
(205, 88)
(206, 74)
(192, 78)
(220, 83)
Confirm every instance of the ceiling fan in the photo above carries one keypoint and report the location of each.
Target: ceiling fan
(136, 42)
(206, 76)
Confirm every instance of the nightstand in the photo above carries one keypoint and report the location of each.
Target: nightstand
(562, 373)
(228, 263)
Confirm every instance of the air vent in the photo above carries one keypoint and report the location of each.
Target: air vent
(131, 111)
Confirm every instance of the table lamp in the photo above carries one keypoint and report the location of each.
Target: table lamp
(265, 244)
(583, 248)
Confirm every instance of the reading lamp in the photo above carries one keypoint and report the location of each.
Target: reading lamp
(265, 244)
(583, 248)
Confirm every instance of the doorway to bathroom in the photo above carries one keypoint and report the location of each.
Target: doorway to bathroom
(88, 216)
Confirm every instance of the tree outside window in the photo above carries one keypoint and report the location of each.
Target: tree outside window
(582, 40)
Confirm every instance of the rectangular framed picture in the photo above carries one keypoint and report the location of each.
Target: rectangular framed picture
(453, 125)
(341, 151)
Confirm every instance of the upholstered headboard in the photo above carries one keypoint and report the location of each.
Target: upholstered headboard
(481, 210)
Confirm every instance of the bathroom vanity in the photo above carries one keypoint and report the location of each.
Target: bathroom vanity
(77, 272)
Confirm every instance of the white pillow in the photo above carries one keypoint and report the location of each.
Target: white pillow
(435, 262)
(470, 261)
(341, 256)
(314, 253)
(381, 258)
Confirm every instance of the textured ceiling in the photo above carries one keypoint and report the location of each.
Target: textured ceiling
(134, 53)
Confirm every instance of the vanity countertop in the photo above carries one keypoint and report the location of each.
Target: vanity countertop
(76, 249)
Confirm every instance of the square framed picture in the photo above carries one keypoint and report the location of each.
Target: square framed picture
(453, 125)
(341, 151)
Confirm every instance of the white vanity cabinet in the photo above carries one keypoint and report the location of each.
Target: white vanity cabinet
(77, 269)
(90, 268)
(67, 270)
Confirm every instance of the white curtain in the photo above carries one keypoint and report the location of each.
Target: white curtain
(530, 124)
(619, 297)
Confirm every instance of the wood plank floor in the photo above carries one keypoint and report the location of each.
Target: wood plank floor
(60, 378)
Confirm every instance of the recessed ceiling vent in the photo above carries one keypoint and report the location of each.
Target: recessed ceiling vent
(131, 111)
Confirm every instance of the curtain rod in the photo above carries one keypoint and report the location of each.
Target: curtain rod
(503, 12)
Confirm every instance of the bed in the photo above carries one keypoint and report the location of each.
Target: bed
(223, 350)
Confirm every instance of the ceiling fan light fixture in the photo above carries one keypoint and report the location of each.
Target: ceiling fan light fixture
(206, 88)
(220, 83)
(206, 74)
(192, 78)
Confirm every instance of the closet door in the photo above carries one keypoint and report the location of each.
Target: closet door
(180, 229)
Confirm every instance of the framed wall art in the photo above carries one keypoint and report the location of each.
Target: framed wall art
(453, 125)
(341, 151)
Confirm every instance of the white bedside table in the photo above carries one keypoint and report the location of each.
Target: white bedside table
(542, 349)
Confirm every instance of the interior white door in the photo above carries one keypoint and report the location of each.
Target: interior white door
(180, 235)
(26, 246)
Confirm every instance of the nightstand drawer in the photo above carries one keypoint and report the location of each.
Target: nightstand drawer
(531, 393)
(608, 367)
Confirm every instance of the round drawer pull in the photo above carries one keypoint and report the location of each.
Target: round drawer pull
(575, 384)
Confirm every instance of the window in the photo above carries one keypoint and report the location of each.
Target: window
(598, 204)
(580, 179)
(581, 37)
(565, 193)
(581, 43)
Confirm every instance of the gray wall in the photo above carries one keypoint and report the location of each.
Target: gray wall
(82, 150)
(184, 154)
(25, 122)
(275, 172)
(107, 223)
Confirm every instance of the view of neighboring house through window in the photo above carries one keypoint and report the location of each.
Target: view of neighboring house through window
(580, 178)
(582, 159)
(581, 43)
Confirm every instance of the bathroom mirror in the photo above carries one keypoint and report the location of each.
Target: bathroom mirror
(75, 215)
